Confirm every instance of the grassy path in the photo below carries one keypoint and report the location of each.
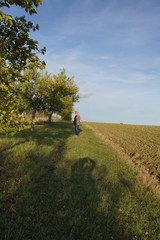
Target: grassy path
(57, 186)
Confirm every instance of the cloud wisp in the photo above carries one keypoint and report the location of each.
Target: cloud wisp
(85, 94)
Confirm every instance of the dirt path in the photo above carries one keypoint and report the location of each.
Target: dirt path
(143, 174)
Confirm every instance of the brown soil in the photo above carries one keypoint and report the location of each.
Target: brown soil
(141, 154)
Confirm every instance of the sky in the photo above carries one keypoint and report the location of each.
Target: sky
(112, 48)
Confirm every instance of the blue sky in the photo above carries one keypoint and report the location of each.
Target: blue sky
(112, 48)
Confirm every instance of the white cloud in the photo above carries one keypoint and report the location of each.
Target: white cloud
(72, 60)
(91, 74)
(132, 78)
(105, 57)
(80, 82)
(84, 94)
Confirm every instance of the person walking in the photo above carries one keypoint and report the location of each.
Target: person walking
(77, 122)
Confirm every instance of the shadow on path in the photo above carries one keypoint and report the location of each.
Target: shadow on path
(56, 203)
(83, 217)
(76, 208)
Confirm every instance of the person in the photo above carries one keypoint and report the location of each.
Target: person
(77, 122)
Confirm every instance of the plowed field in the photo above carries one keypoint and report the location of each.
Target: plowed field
(139, 143)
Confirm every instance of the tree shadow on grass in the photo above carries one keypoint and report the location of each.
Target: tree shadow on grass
(45, 135)
(62, 199)
(54, 204)
(87, 218)
(48, 134)
(55, 134)
(25, 180)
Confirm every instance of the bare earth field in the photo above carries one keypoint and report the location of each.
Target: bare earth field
(139, 144)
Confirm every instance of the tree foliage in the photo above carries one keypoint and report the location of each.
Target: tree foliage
(24, 86)
(67, 108)
(16, 46)
(34, 91)
(62, 95)
(52, 94)
(17, 49)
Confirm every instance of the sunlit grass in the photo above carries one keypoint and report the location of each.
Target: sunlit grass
(55, 185)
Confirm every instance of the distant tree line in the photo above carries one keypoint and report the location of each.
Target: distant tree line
(25, 86)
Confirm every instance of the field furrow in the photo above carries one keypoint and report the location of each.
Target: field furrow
(140, 143)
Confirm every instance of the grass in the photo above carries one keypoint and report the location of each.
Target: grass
(55, 185)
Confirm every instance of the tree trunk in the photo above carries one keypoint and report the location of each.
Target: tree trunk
(33, 118)
(50, 117)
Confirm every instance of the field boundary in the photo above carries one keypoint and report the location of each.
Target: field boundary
(143, 174)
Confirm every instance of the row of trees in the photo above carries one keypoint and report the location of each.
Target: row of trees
(24, 86)
(49, 93)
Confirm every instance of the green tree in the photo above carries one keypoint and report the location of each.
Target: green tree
(34, 91)
(17, 49)
(67, 108)
(62, 95)
(52, 94)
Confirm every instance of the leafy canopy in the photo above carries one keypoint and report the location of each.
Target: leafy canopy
(17, 50)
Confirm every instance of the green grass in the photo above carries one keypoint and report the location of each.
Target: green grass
(55, 185)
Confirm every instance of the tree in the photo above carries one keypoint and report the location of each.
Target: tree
(34, 91)
(16, 46)
(17, 49)
(63, 93)
(67, 108)
(43, 92)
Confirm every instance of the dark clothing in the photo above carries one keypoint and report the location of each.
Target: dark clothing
(77, 129)
(74, 121)
(77, 122)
